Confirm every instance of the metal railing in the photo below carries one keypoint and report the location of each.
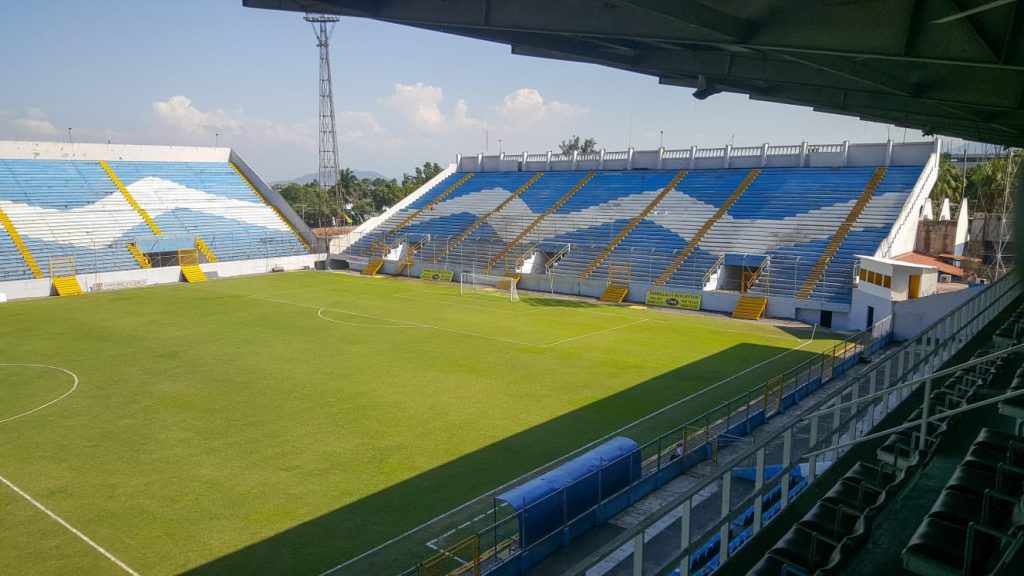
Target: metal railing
(788, 459)
(669, 446)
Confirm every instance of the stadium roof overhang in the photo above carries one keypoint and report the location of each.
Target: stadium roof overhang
(953, 67)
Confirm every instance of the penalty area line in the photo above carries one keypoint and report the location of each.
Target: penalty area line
(71, 528)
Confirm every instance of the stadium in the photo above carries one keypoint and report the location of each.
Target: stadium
(791, 358)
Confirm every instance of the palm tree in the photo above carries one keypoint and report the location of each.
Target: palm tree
(949, 183)
(988, 181)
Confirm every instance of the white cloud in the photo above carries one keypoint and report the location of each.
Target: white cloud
(34, 124)
(179, 113)
(462, 120)
(35, 127)
(526, 108)
(357, 127)
(420, 105)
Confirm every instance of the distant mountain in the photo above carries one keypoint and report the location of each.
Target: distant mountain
(310, 177)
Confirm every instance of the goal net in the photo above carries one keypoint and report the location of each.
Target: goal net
(504, 286)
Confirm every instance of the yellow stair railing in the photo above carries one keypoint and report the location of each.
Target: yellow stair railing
(629, 226)
(188, 259)
(750, 308)
(30, 260)
(748, 279)
(408, 219)
(480, 221)
(698, 236)
(373, 266)
(67, 286)
(131, 199)
(139, 256)
(202, 247)
(410, 255)
(519, 237)
(614, 294)
(274, 208)
(837, 239)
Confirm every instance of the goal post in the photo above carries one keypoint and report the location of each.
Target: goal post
(504, 286)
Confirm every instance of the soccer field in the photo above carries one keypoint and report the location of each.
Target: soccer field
(284, 424)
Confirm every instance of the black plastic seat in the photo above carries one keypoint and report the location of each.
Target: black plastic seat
(957, 508)
(804, 549)
(835, 522)
(879, 476)
(854, 496)
(939, 546)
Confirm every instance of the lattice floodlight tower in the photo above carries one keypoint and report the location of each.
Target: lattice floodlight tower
(323, 27)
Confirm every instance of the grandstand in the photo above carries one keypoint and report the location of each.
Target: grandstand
(781, 226)
(121, 214)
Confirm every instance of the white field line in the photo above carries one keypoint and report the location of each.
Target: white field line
(440, 537)
(71, 528)
(411, 324)
(74, 386)
(321, 315)
(628, 324)
(570, 454)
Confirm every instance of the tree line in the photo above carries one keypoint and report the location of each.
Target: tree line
(353, 199)
(982, 185)
(356, 199)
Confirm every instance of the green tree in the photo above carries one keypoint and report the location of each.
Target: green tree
(577, 144)
(950, 181)
(410, 182)
(987, 181)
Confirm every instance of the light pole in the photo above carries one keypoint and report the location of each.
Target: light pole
(661, 143)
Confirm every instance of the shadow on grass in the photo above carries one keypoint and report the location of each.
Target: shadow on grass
(805, 332)
(328, 540)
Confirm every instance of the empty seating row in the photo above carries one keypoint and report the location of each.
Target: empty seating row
(976, 526)
(72, 208)
(828, 535)
(836, 525)
(789, 214)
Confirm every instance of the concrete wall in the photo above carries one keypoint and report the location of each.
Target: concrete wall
(138, 278)
(936, 236)
(803, 155)
(903, 234)
(17, 150)
(276, 200)
(962, 224)
(863, 298)
(910, 317)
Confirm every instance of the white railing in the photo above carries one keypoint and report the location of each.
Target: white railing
(783, 150)
(676, 154)
(624, 155)
(710, 153)
(745, 151)
(825, 149)
(536, 157)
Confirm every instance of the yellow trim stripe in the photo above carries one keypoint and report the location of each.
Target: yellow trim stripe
(131, 199)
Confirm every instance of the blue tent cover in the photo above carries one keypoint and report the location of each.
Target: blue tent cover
(586, 464)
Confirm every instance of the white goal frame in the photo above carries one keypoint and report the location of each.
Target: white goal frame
(504, 286)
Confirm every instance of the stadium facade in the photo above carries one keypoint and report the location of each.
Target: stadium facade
(782, 231)
(107, 216)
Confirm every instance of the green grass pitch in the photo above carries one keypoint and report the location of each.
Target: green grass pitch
(283, 424)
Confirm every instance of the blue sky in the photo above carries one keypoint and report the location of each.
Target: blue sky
(180, 72)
